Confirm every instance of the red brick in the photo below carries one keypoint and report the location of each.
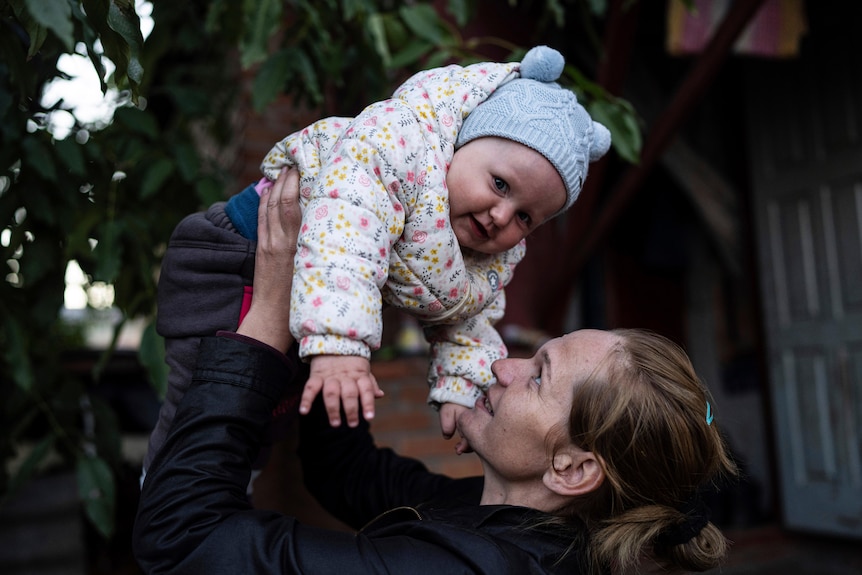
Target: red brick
(400, 422)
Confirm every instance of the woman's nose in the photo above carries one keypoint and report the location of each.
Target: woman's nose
(501, 369)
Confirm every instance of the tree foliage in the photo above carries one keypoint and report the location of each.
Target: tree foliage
(108, 196)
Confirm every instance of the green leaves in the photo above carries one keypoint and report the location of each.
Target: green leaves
(53, 15)
(152, 356)
(14, 352)
(97, 490)
(262, 20)
(618, 117)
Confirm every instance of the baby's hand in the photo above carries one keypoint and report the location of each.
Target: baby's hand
(346, 380)
(449, 413)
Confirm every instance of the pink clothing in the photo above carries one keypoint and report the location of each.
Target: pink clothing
(376, 228)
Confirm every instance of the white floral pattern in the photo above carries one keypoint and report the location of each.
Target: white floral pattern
(376, 228)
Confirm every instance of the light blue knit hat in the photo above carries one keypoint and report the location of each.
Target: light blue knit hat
(536, 111)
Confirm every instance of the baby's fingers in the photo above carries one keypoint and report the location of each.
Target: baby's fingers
(368, 391)
(332, 398)
(463, 446)
(309, 392)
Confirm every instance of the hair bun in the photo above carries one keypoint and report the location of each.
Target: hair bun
(543, 64)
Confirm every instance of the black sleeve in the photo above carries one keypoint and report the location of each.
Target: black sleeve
(194, 517)
(193, 514)
(355, 480)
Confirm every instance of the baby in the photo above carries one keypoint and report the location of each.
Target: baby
(423, 201)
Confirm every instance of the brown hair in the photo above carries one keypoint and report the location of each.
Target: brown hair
(643, 413)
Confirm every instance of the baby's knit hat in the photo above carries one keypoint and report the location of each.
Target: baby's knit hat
(536, 111)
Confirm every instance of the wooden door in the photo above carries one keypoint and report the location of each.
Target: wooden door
(805, 135)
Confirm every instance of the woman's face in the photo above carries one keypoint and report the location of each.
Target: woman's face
(509, 427)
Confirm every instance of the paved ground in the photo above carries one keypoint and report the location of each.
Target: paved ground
(771, 551)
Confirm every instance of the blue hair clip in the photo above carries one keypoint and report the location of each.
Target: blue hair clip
(709, 416)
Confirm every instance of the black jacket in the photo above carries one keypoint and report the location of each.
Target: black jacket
(194, 517)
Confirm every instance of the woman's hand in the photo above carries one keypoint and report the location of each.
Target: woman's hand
(278, 220)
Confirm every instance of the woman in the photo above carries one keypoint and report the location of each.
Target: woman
(593, 451)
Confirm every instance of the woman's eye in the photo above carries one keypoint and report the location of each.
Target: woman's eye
(537, 379)
(500, 184)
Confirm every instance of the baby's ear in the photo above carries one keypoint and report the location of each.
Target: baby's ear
(574, 471)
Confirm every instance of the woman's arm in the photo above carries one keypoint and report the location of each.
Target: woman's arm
(278, 221)
(194, 517)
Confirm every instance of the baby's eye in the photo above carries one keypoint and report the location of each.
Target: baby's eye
(500, 184)
(524, 217)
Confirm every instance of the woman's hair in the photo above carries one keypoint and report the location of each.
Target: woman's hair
(647, 417)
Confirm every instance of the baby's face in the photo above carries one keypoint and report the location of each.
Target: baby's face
(500, 191)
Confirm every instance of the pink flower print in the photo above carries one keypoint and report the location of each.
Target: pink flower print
(305, 132)
(305, 192)
(337, 160)
(435, 306)
(394, 187)
(382, 252)
(343, 282)
(372, 121)
(351, 333)
(419, 236)
(447, 120)
(411, 176)
(397, 207)
(308, 326)
(350, 131)
(441, 223)
(481, 298)
(293, 150)
(333, 194)
(429, 127)
(483, 71)
(468, 384)
(420, 179)
(337, 124)
(464, 97)
(389, 109)
(377, 171)
(402, 142)
(425, 95)
(317, 302)
(418, 290)
(308, 265)
(439, 370)
(321, 212)
(303, 252)
(364, 180)
(453, 293)
(448, 263)
(482, 362)
(363, 222)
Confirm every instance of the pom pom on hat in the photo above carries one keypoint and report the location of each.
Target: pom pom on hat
(543, 64)
(536, 111)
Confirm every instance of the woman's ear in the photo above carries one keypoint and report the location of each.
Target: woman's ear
(574, 471)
